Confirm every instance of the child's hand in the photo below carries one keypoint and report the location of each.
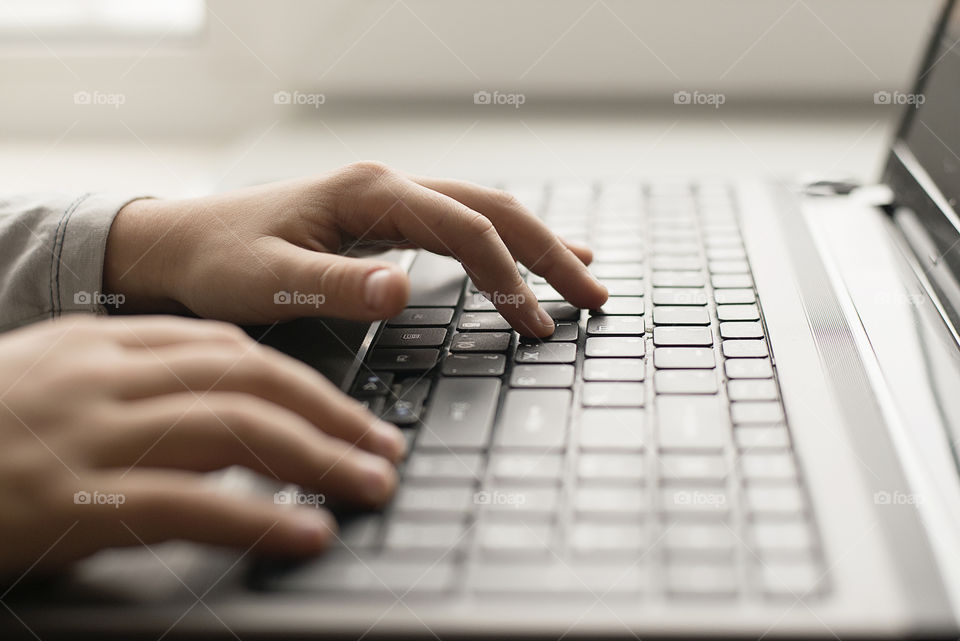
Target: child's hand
(226, 256)
(106, 424)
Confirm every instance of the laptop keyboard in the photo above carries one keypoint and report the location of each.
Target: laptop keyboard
(641, 449)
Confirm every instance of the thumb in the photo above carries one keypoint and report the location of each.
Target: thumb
(321, 284)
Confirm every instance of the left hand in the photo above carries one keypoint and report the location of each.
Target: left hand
(225, 256)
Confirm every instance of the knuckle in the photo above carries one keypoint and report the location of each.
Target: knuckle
(480, 225)
(368, 171)
(505, 200)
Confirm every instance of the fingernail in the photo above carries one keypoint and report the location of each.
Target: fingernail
(314, 528)
(376, 288)
(544, 318)
(379, 478)
(390, 440)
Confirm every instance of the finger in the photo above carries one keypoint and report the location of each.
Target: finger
(147, 507)
(157, 331)
(446, 226)
(529, 239)
(582, 252)
(268, 374)
(322, 284)
(224, 429)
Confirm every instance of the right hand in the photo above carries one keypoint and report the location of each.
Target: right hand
(106, 424)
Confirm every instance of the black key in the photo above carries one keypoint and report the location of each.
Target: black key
(403, 360)
(413, 316)
(474, 365)
(435, 281)
(534, 418)
(542, 376)
(622, 306)
(547, 353)
(374, 404)
(480, 342)
(480, 321)
(461, 413)
(616, 326)
(372, 384)
(615, 346)
(412, 337)
(561, 311)
(405, 407)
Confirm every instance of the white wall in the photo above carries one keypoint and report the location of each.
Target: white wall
(395, 51)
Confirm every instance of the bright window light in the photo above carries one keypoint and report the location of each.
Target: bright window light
(83, 19)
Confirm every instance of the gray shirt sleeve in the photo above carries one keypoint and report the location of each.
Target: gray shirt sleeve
(51, 255)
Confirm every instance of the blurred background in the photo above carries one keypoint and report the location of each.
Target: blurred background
(187, 96)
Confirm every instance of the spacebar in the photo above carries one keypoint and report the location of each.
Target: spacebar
(461, 413)
(435, 281)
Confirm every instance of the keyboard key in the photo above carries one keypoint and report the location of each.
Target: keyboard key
(616, 326)
(693, 468)
(766, 466)
(675, 248)
(609, 271)
(762, 412)
(615, 346)
(731, 281)
(692, 422)
(677, 279)
(752, 348)
(701, 580)
(762, 437)
(726, 253)
(432, 500)
(545, 292)
(534, 418)
(781, 539)
(682, 296)
(628, 255)
(612, 395)
(611, 467)
(560, 311)
(360, 532)
(413, 316)
(738, 312)
(477, 302)
(542, 376)
(699, 540)
(696, 502)
(622, 306)
(405, 404)
(372, 384)
(774, 500)
(412, 337)
(613, 429)
(426, 466)
(689, 336)
(608, 538)
(558, 578)
(741, 330)
(748, 368)
(625, 287)
(681, 381)
(791, 580)
(526, 467)
(412, 535)
(480, 342)
(388, 576)
(435, 281)
(461, 413)
(515, 538)
(564, 331)
(517, 501)
(683, 358)
(474, 365)
(614, 369)
(479, 321)
(676, 263)
(689, 315)
(403, 360)
(752, 390)
(728, 267)
(547, 353)
(610, 501)
(734, 296)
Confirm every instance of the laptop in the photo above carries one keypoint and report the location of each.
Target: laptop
(755, 436)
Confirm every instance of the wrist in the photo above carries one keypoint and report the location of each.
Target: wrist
(142, 258)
